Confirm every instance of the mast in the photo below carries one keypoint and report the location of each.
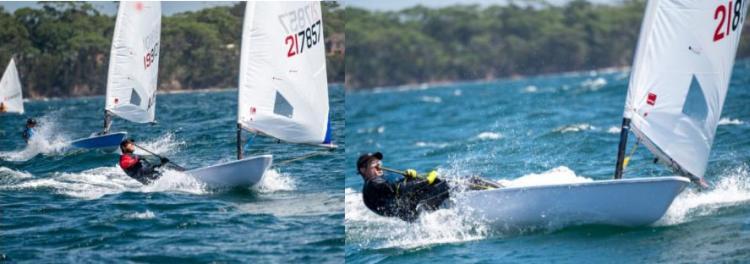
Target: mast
(239, 141)
(107, 122)
(624, 129)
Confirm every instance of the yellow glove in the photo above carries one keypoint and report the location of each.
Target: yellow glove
(410, 173)
(431, 177)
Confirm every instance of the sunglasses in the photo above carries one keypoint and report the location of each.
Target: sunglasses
(376, 165)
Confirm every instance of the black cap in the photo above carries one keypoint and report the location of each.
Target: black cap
(365, 158)
(31, 121)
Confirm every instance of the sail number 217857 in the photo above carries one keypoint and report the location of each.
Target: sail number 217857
(730, 18)
(309, 37)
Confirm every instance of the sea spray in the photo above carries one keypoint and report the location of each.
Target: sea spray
(732, 188)
(274, 181)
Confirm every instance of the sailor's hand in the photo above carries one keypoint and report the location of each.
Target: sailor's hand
(431, 177)
(164, 160)
(411, 173)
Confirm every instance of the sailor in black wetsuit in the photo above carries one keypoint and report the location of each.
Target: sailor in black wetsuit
(405, 198)
(138, 167)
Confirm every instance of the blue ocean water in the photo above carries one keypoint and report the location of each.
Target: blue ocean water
(61, 206)
(551, 128)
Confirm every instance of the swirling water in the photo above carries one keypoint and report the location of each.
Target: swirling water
(543, 129)
(78, 206)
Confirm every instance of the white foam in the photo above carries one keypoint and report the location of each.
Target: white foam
(558, 175)
(457, 92)
(594, 84)
(489, 136)
(13, 174)
(729, 121)
(97, 182)
(47, 139)
(373, 231)
(423, 144)
(530, 89)
(431, 99)
(164, 145)
(274, 181)
(732, 189)
(574, 128)
(145, 215)
(614, 130)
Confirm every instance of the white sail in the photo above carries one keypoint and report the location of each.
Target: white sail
(134, 61)
(11, 96)
(680, 77)
(283, 90)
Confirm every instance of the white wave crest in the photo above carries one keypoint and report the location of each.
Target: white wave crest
(730, 121)
(614, 130)
(594, 84)
(274, 181)
(574, 128)
(145, 215)
(489, 136)
(431, 99)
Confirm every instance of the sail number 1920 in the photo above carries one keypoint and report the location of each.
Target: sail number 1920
(730, 18)
(309, 37)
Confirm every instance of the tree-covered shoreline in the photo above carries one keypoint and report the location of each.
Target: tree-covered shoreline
(62, 48)
(471, 42)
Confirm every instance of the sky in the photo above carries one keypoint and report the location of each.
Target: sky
(110, 7)
(393, 5)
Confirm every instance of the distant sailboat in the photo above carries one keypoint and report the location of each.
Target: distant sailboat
(677, 88)
(11, 97)
(283, 87)
(133, 71)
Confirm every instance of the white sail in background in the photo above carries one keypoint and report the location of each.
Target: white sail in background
(11, 96)
(283, 90)
(680, 77)
(134, 61)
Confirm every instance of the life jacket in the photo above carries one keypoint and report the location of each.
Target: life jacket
(28, 133)
(130, 163)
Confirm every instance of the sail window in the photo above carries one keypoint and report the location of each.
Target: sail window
(695, 103)
(282, 107)
(135, 99)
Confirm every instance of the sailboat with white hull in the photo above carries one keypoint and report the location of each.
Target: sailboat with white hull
(677, 88)
(283, 87)
(133, 72)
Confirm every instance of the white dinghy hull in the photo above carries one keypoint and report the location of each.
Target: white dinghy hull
(625, 202)
(239, 173)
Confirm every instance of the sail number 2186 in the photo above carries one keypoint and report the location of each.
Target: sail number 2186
(309, 37)
(730, 18)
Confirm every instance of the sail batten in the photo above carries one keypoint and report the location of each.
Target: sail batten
(680, 78)
(134, 62)
(11, 96)
(283, 87)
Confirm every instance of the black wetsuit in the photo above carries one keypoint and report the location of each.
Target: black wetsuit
(139, 168)
(405, 198)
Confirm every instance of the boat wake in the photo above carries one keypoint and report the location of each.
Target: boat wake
(98, 182)
(733, 188)
(275, 181)
(370, 230)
